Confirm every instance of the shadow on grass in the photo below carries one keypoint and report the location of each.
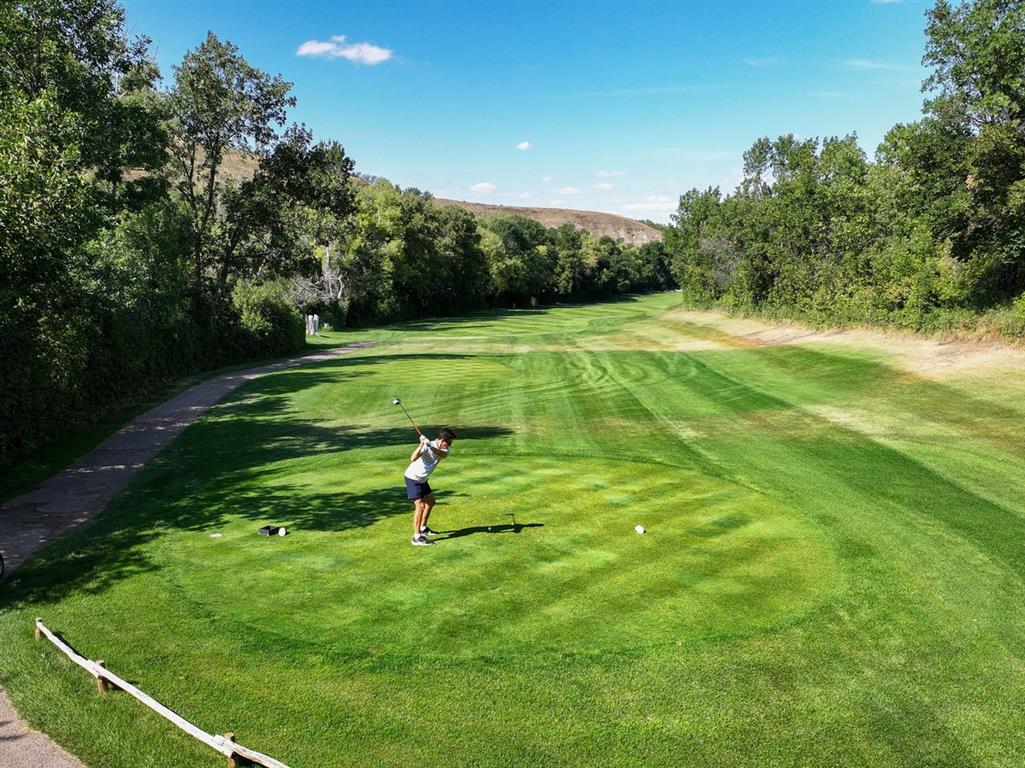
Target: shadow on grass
(502, 528)
(486, 318)
(297, 509)
(210, 475)
(722, 525)
(215, 473)
(844, 464)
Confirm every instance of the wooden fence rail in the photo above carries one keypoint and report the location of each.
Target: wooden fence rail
(225, 744)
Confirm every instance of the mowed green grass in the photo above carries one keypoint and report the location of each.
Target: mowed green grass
(832, 573)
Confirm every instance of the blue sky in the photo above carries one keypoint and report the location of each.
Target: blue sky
(617, 107)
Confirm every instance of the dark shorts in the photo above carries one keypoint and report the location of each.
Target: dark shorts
(415, 490)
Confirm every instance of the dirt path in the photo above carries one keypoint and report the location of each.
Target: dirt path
(81, 492)
(21, 747)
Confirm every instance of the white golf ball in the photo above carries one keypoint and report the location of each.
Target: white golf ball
(282, 531)
(639, 528)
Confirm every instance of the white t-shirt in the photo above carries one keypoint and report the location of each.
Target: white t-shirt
(421, 468)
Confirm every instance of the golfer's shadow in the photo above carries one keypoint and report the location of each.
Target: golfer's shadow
(503, 528)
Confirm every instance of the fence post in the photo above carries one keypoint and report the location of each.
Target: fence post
(232, 762)
(101, 682)
(238, 755)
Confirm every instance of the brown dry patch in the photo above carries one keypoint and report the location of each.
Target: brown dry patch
(878, 426)
(451, 339)
(683, 330)
(235, 165)
(630, 231)
(811, 424)
(941, 359)
(638, 340)
(918, 355)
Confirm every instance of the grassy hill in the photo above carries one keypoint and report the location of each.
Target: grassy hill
(630, 231)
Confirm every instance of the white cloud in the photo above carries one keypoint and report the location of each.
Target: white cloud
(313, 48)
(609, 174)
(524, 145)
(603, 185)
(652, 204)
(483, 186)
(337, 48)
(872, 64)
(566, 191)
(764, 61)
(547, 179)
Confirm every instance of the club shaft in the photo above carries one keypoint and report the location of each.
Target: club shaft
(410, 419)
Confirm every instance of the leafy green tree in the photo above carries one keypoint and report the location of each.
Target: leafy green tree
(423, 270)
(400, 255)
(691, 266)
(78, 51)
(48, 211)
(442, 268)
(571, 270)
(611, 270)
(219, 103)
(77, 111)
(270, 224)
(926, 165)
(657, 265)
(977, 51)
(528, 261)
(48, 205)
(460, 246)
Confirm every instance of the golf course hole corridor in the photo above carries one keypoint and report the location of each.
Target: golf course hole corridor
(535, 555)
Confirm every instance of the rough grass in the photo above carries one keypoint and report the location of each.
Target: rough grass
(832, 574)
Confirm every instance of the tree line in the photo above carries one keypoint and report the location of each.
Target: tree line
(127, 256)
(130, 253)
(929, 235)
(399, 255)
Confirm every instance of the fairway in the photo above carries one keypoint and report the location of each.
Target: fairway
(832, 572)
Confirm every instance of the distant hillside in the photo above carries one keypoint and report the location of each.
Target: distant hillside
(630, 231)
(238, 166)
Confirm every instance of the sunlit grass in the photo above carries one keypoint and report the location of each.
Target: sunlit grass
(831, 574)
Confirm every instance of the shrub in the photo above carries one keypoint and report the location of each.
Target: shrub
(268, 318)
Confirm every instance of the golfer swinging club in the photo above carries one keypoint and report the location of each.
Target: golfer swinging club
(422, 462)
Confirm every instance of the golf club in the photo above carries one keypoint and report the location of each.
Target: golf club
(398, 402)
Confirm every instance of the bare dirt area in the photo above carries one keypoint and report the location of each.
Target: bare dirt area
(22, 747)
(926, 357)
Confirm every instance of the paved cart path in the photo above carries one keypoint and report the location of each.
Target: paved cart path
(82, 491)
